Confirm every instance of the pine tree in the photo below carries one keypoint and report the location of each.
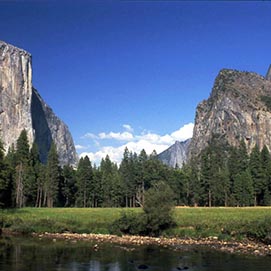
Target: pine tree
(195, 188)
(41, 186)
(68, 187)
(5, 189)
(266, 165)
(142, 182)
(127, 175)
(31, 186)
(257, 174)
(177, 180)
(22, 170)
(224, 178)
(52, 177)
(214, 171)
(111, 187)
(154, 171)
(238, 163)
(243, 188)
(185, 193)
(10, 161)
(97, 181)
(84, 180)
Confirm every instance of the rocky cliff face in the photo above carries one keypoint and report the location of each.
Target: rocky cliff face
(239, 108)
(15, 93)
(176, 154)
(21, 107)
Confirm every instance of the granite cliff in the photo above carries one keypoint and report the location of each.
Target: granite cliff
(239, 108)
(175, 155)
(21, 107)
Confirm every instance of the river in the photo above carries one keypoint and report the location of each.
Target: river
(29, 254)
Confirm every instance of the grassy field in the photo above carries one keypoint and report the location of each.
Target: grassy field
(224, 223)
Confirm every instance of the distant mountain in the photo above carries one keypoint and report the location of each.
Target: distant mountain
(239, 108)
(21, 107)
(176, 154)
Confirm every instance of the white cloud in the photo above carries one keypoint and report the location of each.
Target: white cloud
(128, 127)
(156, 139)
(147, 141)
(124, 136)
(89, 135)
(80, 147)
(116, 153)
(184, 132)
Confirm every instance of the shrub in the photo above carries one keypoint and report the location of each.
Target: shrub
(260, 230)
(22, 227)
(157, 216)
(158, 208)
(129, 223)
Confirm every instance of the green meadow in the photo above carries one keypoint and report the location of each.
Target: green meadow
(223, 223)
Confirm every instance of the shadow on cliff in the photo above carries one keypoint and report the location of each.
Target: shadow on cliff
(43, 136)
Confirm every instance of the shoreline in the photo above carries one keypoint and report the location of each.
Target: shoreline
(245, 247)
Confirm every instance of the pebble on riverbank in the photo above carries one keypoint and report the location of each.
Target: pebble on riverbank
(244, 247)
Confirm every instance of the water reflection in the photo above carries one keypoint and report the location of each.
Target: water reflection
(27, 254)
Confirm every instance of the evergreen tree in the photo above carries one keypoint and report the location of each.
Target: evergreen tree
(128, 177)
(225, 193)
(84, 181)
(214, 171)
(5, 193)
(10, 161)
(154, 171)
(266, 165)
(33, 169)
(68, 187)
(22, 170)
(142, 182)
(207, 175)
(195, 186)
(52, 177)
(238, 164)
(41, 186)
(243, 188)
(186, 192)
(97, 181)
(257, 174)
(111, 187)
(177, 180)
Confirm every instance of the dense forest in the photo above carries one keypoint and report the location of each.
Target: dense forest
(221, 176)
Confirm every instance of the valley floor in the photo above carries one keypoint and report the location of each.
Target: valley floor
(227, 229)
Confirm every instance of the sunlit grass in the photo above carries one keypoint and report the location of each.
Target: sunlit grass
(81, 220)
(190, 222)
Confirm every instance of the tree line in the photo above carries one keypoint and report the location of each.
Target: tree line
(221, 176)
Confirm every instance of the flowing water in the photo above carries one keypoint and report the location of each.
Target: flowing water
(27, 254)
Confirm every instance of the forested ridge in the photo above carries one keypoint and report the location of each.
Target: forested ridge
(221, 176)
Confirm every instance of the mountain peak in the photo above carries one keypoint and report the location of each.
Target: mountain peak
(237, 109)
(22, 108)
(4, 47)
(176, 154)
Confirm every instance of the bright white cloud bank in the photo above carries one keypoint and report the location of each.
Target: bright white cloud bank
(135, 143)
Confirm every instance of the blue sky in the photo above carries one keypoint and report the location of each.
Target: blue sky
(132, 72)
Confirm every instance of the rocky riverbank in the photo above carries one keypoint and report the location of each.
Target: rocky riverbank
(243, 247)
